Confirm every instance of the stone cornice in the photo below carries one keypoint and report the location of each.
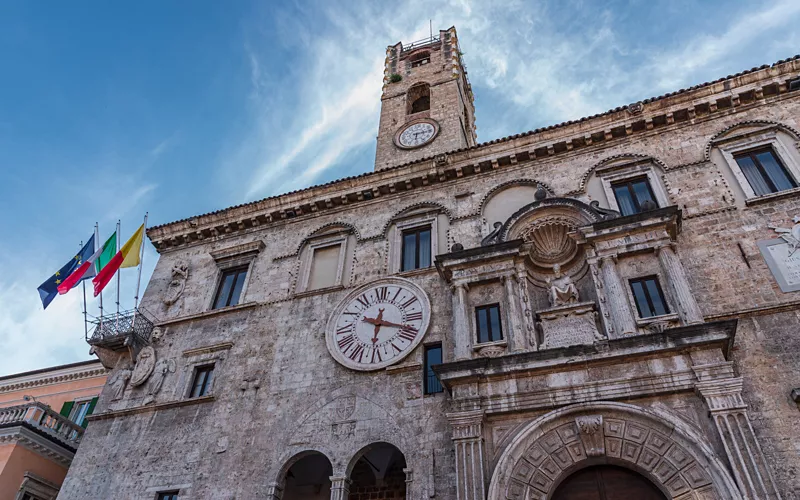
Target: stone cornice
(22, 435)
(224, 346)
(150, 408)
(719, 334)
(683, 108)
(207, 314)
(56, 376)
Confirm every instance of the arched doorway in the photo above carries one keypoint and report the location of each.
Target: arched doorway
(607, 482)
(308, 478)
(378, 473)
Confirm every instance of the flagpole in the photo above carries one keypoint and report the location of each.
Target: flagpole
(85, 325)
(118, 273)
(97, 242)
(139, 278)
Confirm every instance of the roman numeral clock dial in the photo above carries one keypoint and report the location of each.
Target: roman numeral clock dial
(378, 324)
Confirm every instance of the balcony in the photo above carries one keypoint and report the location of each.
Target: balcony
(120, 331)
(41, 419)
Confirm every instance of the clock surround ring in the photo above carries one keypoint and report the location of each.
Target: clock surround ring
(342, 306)
(411, 123)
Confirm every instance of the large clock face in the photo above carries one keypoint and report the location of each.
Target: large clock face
(417, 134)
(378, 324)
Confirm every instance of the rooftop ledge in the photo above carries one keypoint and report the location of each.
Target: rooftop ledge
(685, 106)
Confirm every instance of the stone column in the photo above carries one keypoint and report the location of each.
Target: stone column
(671, 265)
(340, 487)
(617, 297)
(409, 483)
(722, 393)
(516, 337)
(274, 491)
(467, 429)
(461, 332)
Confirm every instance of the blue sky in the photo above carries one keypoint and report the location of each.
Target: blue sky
(111, 109)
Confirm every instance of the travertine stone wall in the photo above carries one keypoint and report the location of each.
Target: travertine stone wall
(277, 392)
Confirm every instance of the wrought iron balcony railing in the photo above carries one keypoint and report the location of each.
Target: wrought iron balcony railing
(118, 331)
(41, 417)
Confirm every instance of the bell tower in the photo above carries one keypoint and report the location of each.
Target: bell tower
(427, 104)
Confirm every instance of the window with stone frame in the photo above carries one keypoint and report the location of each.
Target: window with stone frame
(416, 248)
(433, 356)
(234, 265)
(649, 297)
(634, 196)
(167, 495)
(488, 326)
(202, 381)
(631, 184)
(420, 59)
(762, 159)
(229, 289)
(324, 259)
(764, 171)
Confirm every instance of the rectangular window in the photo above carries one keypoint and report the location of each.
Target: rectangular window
(649, 297)
(632, 194)
(487, 319)
(79, 412)
(201, 384)
(433, 356)
(168, 495)
(416, 249)
(764, 171)
(230, 287)
(324, 267)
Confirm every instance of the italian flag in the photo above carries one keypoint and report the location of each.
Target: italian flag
(91, 266)
(128, 256)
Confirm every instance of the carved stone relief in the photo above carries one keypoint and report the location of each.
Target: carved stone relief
(162, 368)
(145, 362)
(180, 274)
(119, 381)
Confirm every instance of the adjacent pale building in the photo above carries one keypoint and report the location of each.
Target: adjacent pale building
(42, 421)
(603, 308)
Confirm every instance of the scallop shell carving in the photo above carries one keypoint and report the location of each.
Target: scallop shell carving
(551, 242)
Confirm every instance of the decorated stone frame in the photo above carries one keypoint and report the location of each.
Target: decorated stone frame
(417, 221)
(671, 316)
(230, 258)
(629, 171)
(729, 147)
(307, 259)
(197, 358)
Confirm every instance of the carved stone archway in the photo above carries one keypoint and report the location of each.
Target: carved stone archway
(670, 453)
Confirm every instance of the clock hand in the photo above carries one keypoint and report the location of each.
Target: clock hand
(389, 323)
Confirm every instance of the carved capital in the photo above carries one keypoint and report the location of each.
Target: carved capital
(592, 434)
(722, 395)
(466, 424)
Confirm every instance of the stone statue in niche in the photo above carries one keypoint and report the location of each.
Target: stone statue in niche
(162, 369)
(119, 381)
(562, 290)
(180, 273)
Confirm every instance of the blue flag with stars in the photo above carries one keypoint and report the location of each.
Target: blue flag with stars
(49, 289)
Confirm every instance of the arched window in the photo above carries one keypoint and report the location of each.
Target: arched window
(308, 478)
(420, 58)
(418, 98)
(379, 472)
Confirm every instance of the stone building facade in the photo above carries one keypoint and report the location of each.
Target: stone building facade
(606, 303)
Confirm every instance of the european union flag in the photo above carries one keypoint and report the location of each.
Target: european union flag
(49, 289)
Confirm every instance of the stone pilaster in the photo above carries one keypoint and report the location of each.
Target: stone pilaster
(409, 483)
(274, 491)
(467, 429)
(461, 332)
(516, 337)
(617, 298)
(688, 310)
(340, 487)
(722, 393)
(608, 324)
(527, 312)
